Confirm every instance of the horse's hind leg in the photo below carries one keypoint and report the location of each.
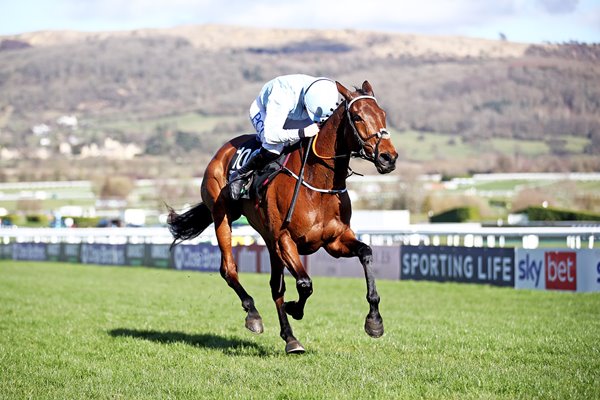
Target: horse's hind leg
(348, 245)
(229, 270)
(292, 345)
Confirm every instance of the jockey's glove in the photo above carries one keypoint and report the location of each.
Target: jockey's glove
(309, 131)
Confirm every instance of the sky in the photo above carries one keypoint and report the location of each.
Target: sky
(528, 21)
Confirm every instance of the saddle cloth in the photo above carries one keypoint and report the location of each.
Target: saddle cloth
(259, 180)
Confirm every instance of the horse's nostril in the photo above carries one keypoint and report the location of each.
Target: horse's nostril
(386, 158)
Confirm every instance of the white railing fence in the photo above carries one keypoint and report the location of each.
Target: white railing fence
(469, 235)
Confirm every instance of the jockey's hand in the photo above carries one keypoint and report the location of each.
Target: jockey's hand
(309, 131)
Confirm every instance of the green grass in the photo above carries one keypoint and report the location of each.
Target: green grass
(521, 147)
(419, 146)
(591, 186)
(193, 122)
(501, 184)
(73, 331)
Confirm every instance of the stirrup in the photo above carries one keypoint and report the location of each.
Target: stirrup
(238, 184)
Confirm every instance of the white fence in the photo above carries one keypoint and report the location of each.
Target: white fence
(474, 235)
(469, 235)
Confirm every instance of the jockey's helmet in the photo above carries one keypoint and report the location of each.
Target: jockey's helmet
(321, 98)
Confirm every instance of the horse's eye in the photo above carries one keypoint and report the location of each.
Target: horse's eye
(356, 118)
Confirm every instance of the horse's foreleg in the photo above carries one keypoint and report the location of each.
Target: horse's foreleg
(348, 245)
(289, 255)
(277, 290)
(229, 272)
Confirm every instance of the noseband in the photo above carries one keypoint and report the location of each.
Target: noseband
(380, 135)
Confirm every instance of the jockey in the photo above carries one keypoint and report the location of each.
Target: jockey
(287, 109)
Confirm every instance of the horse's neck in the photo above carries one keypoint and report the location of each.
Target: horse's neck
(332, 173)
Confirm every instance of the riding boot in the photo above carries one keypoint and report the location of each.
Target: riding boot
(238, 179)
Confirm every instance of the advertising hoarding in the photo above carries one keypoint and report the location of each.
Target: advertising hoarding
(158, 255)
(386, 264)
(70, 252)
(135, 254)
(53, 251)
(6, 250)
(103, 254)
(541, 269)
(494, 266)
(558, 269)
(29, 251)
(197, 257)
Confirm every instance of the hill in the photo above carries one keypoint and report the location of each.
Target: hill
(176, 91)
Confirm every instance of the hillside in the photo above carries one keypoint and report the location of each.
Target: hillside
(142, 86)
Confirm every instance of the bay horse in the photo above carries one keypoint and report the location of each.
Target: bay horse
(322, 214)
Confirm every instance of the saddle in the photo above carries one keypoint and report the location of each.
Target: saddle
(259, 181)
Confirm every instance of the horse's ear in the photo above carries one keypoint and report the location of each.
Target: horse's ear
(343, 91)
(366, 87)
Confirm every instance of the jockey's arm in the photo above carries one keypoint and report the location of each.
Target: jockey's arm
(275, 119)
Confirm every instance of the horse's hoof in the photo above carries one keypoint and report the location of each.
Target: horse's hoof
(294, 347)
(292, 309)
(254, 324)
(374, 327)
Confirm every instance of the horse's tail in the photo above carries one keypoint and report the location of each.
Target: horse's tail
(189, 224)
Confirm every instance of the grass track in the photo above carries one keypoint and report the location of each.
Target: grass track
(73, 331)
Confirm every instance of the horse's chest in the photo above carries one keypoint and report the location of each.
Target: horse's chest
(324, 225)
(317, 219)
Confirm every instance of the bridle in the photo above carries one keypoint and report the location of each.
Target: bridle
(380, 135)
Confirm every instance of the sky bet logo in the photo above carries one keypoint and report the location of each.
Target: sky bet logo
(530, 270)
(555, 270)
(561, 271)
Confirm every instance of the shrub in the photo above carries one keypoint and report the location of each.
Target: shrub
(459, 214)
(36, 220)
(13, 219)
(86, 222)
(536, 213)
(116, 187)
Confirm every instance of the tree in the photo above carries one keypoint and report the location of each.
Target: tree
(116, 187)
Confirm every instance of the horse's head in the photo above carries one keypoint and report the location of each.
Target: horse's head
(366, 120)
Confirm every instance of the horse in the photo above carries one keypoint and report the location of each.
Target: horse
(321, 219)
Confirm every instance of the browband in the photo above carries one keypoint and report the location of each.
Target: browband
(359, 98)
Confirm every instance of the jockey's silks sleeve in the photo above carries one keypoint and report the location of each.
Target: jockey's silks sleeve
(283, 101)
(276, 115)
